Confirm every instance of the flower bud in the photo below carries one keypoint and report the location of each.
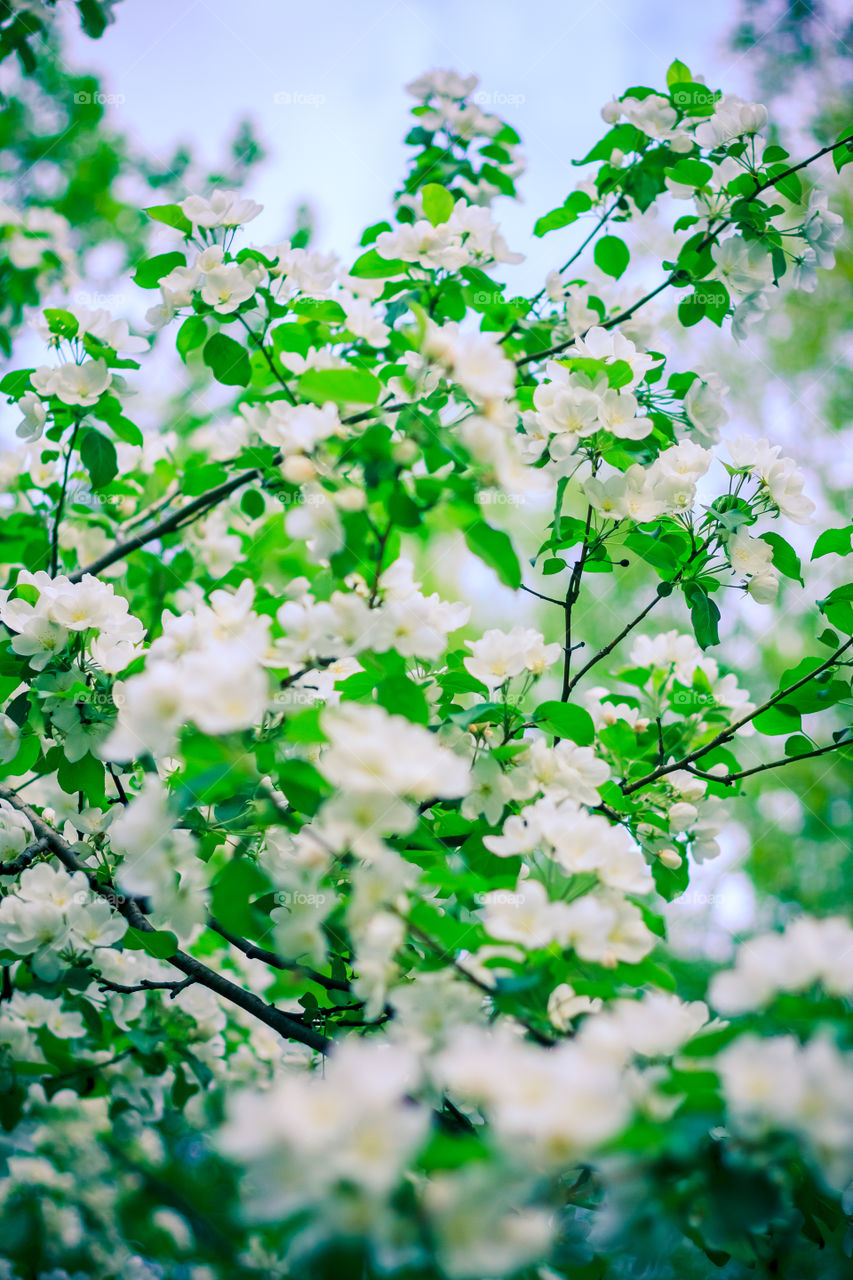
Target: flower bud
(298, 469)
(670, 859)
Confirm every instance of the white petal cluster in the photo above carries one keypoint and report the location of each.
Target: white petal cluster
(775, 1083)
(401, 618)
(206, 667)
(35, 238)
(63, 607)
(562, 772)
(372, 751)
(500, 655)
(311, 1135)
(577, 841)
(469, 237)
(16, 831)
(781, 479)
(158, 857)
(475, 361)
(731, 118)
(806, 952)
(49, 911)
(74, 384)
(553, 1107)
(601, 926)
(642, 494)
(572, 406)
(752, 558)
(220, 209)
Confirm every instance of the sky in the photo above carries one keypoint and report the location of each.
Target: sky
(324, 84)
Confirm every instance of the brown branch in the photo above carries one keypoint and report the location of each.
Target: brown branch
(23, 860)
(728, 778)
(611, 645)
(726, 734)
(145, 985)
(269, 957)
(286, 1026)
(674, 276)
(571, 599)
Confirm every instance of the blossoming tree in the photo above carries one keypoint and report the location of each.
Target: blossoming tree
(332, 930)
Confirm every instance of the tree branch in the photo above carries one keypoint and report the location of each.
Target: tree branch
(60, 506)
(269, 957)
(571, 599)
(286, 1026)
(726, 734)
(713, 233)
(23, 860)
(611, 645)
(728, 778)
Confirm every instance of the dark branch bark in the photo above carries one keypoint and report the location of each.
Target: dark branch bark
(192, 968)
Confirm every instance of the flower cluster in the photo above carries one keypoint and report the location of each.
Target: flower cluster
(50, 913)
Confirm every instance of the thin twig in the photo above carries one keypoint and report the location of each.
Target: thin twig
(728, 778)
(269, 957)
(272, 1017)
(726, 734)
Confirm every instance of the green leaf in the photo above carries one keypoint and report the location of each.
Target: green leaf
(304, 787)
(677, 73)
(62, 323)
(372, 266)
(14, 384)
(713, 297)
(654, 551)
(575, 204)
(837, 542)
(98, 456)
(843, 155)
(785, 558)
(777, 720)
(690, 173)
(150, 271)
(704, 614)
(402, 697)
(670, 883)
(611, 255)
(238, 882)
(343, 386)
(566, 721)
(191, 334)
(495, 549)
(93, 16)
(438, 203)
(160, 943)
(690, 311)
(227, 360)
(172, 215)
(693, 99)
(252, 503)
